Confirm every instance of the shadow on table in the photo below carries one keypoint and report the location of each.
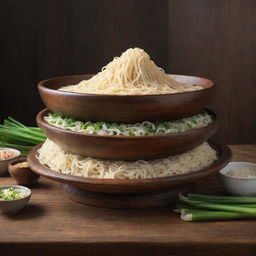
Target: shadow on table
(40, 185)
(30, 211)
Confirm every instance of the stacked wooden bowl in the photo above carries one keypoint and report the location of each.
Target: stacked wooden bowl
(127, 193)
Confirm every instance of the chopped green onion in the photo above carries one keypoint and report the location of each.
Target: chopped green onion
(11, 194)
(137, 129)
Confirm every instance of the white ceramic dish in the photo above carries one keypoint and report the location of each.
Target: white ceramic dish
(14, 206)
(245, 186)
(4, 163)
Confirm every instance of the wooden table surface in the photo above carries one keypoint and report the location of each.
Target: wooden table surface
(53, 225)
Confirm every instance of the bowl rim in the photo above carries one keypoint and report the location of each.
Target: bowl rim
(223, 173)
(21, 159)
(29, 192)
(49, 173)
(45, 111)
(41, 85)
(10, 150)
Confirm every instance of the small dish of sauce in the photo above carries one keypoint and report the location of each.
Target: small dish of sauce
(239, 178)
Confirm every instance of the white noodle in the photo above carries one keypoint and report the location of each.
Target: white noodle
(133, 73)
(58, 160)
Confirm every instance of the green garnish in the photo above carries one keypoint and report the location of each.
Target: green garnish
(14, 134)
(138, 129)
(11, 194)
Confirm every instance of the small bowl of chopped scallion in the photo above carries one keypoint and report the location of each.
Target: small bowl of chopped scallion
(13, 198)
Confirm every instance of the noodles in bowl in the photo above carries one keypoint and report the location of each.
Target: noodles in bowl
(133, 73)
(58, 160)
(138, 129)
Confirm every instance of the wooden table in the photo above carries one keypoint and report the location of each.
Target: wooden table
(54, 225)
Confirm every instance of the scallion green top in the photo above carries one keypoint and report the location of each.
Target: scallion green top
(138, 129)
(11, 194)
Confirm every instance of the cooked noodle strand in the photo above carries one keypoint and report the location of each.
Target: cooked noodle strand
(133, 73)
(58, 160)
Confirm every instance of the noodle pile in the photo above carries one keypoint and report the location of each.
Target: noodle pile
(137, 129)
(58, 160)
(133, 73)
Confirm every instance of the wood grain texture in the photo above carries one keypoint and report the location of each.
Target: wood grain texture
(217, 39)
(118, 147)
(125, 108)
(49, 38)
(52, 224)
(131, 186)
(213, 39)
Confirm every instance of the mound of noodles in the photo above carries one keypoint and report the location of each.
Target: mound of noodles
(58, 160)
(133, 73)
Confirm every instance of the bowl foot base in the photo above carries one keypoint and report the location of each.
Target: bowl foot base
(139, 200)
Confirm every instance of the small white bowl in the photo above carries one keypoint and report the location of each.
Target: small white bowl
(14, 206)
(4, 163)
(245, 186)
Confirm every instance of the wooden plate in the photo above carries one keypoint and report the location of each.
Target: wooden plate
(127, 147)
(125, 186)
(139, 200)
(123, 108)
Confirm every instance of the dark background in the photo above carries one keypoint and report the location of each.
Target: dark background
(210, 38)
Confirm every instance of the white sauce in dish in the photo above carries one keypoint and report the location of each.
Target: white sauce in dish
(242, 172)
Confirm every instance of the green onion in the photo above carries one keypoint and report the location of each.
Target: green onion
(223, 199)
(137, 129)
(197, 207)
(20, 136)
(216, 206)
(10, 145)
(199, 215)
(14, 134)
(11, 194)
(15, 122)
(23, 131)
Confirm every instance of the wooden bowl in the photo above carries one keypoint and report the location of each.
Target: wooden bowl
(126, 186)
(123, 108)
(118, 147)
(139, 200)
(22, 175)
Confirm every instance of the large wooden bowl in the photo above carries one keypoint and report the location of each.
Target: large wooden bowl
(123, 108)
(126, 147)
(125, 186)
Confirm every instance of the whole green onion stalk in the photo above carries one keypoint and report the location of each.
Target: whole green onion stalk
(223, 199)
(14, 134)
(200, 215)
(196, 207)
